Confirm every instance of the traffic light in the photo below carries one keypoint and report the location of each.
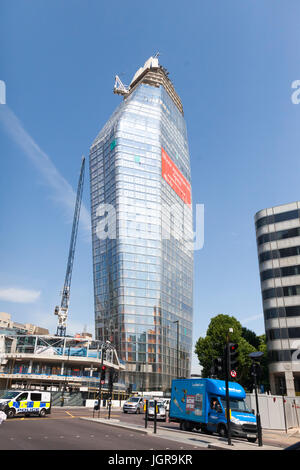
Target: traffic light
(113, 377)
(232, 356)
(217, 367)
(110, 379)
(255, 370)
(102, 377)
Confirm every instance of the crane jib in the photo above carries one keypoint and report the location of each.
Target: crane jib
(62, 311)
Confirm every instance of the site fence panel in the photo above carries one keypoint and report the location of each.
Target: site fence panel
(276, 412)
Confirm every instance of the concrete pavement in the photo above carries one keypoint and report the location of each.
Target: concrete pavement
(197, 439)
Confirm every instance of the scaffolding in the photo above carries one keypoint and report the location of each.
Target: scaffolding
(46, 359)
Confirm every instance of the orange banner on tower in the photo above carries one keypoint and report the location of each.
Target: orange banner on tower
(173, 176)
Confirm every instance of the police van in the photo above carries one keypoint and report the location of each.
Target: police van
(22, 402)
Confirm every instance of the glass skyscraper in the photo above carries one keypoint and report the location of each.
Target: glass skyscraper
(142, 231)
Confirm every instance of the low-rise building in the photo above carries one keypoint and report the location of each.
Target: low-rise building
(55, 363)
(27, 328)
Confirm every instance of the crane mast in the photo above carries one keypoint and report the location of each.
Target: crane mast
(62, 310)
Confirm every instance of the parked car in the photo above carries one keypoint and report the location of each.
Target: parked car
(160, 412)
(134, 405)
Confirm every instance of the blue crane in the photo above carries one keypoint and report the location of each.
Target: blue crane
(62, 310)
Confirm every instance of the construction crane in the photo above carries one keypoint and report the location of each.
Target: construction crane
(62, 310)
(119, 87)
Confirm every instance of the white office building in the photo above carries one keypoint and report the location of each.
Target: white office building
(278, 244)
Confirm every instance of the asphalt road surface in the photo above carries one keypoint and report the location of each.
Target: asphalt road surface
(63, 431)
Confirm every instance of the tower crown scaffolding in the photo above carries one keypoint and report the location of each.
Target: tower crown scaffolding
(152, 73)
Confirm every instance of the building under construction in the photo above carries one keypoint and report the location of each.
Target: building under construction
(59, 364)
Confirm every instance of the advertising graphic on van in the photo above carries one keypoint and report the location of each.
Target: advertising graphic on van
(201, 404)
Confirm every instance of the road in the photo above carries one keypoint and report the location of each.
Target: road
(64, 430)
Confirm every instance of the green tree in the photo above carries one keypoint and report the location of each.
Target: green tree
(264, 378)
(251, 337)
(212, 346)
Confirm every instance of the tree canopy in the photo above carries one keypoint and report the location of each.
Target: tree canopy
(212, 346)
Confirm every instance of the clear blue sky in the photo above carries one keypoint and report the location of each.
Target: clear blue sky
(232, 64)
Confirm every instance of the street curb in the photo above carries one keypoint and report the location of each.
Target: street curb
(144, 431)
(233, 448)
(216, 447)
(149, 431)
(117, 425)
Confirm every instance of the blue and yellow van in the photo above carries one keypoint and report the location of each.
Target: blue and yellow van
(25, 402)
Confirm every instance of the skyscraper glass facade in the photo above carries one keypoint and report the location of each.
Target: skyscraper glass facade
(142, 228)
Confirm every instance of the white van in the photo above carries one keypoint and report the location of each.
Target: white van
(134, 405)
(18, 402)
(166, 402)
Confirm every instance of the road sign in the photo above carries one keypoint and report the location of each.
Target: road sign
(233, 373)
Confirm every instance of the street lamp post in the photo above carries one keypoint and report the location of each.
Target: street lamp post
(177, 348)
(256, 356)
(65, 381)
(104, 347)
(100, 384)
(227, 363)
(143, 377)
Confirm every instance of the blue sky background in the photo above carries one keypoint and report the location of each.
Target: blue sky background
(232, 64)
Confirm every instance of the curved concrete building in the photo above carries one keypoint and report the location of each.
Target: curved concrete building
(278, 244)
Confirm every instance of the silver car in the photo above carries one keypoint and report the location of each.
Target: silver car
(160, 412)
(134, 405)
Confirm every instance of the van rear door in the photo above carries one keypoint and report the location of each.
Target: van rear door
(35, 400)
(40, 401)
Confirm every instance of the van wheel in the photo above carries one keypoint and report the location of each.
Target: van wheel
(222, 431)
(42, 413)
(251, 439)
(10, 413)
(186, 426)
